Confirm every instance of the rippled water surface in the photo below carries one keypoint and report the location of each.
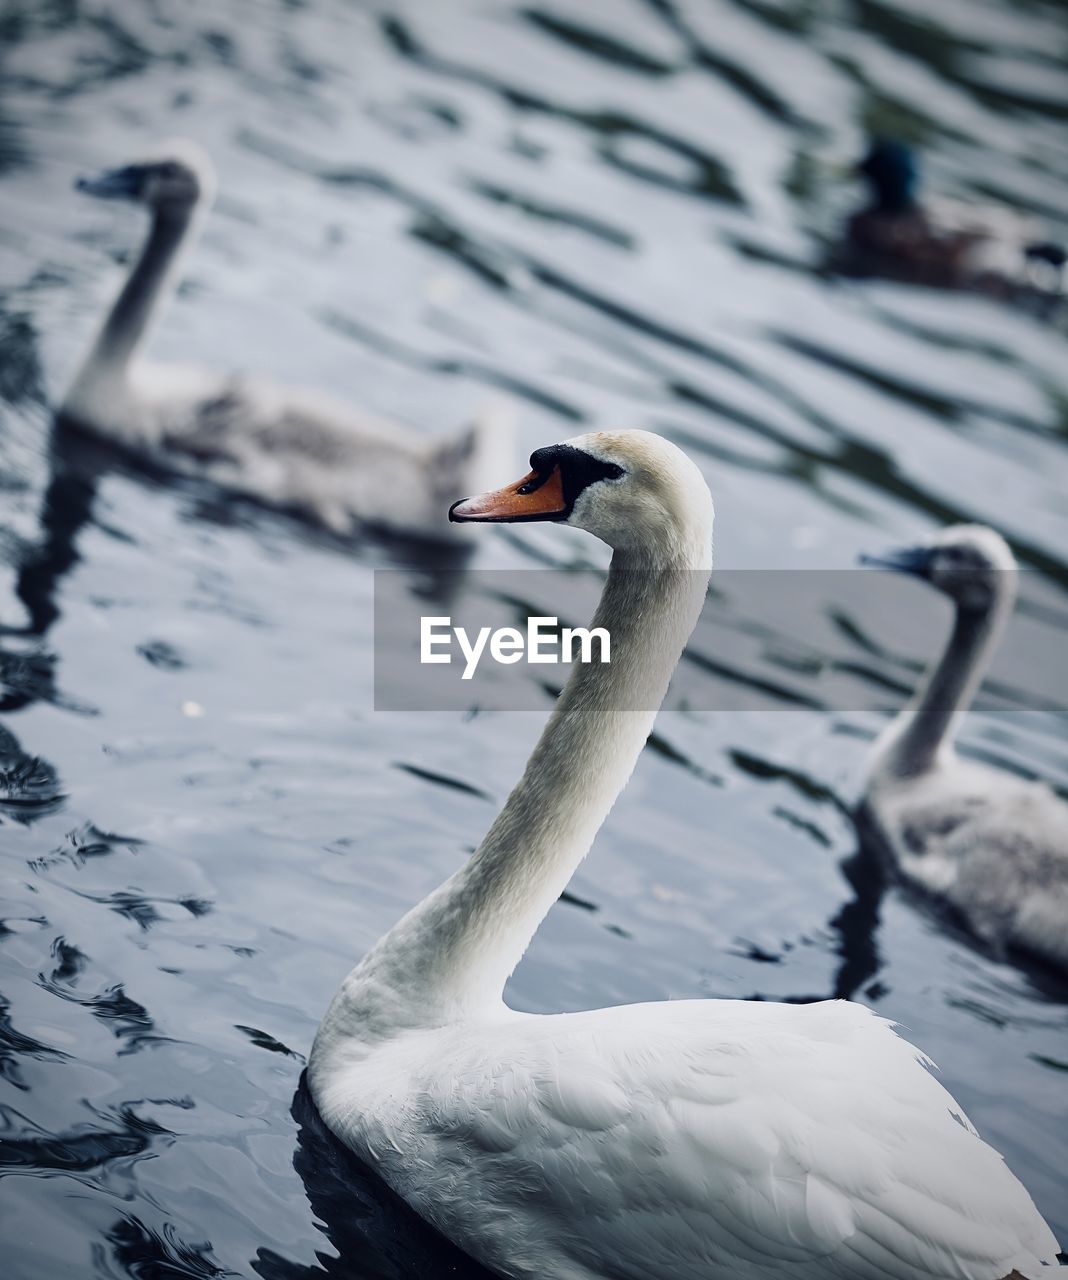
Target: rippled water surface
(611, 213)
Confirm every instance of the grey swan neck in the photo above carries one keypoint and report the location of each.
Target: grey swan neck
(129, 319)
(923, 732)
(454, 952)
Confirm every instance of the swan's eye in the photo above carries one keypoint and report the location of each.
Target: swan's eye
(169, 169)
(573, 469)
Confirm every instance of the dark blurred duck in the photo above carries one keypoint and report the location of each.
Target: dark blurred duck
(989, 847)
(944, 244)
(296, 450)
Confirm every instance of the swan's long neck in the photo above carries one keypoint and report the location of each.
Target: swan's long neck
(455, 951)
(127, 323)
(923, 730)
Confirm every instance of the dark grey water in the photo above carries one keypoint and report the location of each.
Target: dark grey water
(610, 214)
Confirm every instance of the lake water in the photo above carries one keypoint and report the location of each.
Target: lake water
(610, 214)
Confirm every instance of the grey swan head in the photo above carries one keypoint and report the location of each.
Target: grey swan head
(175, 181)
(967, 562)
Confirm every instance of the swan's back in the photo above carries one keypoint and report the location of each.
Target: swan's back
(992, 847)
(304, 451)
(696, 1140)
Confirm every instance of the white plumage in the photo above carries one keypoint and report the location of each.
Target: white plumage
(335, 464)
(990, 847)
(687, 1140)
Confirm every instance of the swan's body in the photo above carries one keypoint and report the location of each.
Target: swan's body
(299, 450)
(991, 847)
(685, 1140)
(689, 1140)
(943, 243)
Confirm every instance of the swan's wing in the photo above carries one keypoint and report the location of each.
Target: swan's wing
(732, 1136)
(992, 846)
(1010, 866)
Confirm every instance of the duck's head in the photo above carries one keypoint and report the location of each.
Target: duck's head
(632, 489)
(177, 178)
(893, 173)
(970, 563)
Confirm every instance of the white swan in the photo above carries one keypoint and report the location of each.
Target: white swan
(685, 1140)
(295, 450)
(992, 847)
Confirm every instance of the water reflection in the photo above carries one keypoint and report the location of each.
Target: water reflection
(121, 1136)
(29, 786)
(75, 467)
(856, 925)
(137, 1251)
(374, 1233)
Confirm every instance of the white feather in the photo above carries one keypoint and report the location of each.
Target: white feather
(686, 1140)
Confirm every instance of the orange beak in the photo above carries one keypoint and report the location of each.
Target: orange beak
(535, 497)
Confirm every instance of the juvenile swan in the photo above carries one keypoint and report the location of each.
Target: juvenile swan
(991, 847)
(294, 450)
(684, 1140)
